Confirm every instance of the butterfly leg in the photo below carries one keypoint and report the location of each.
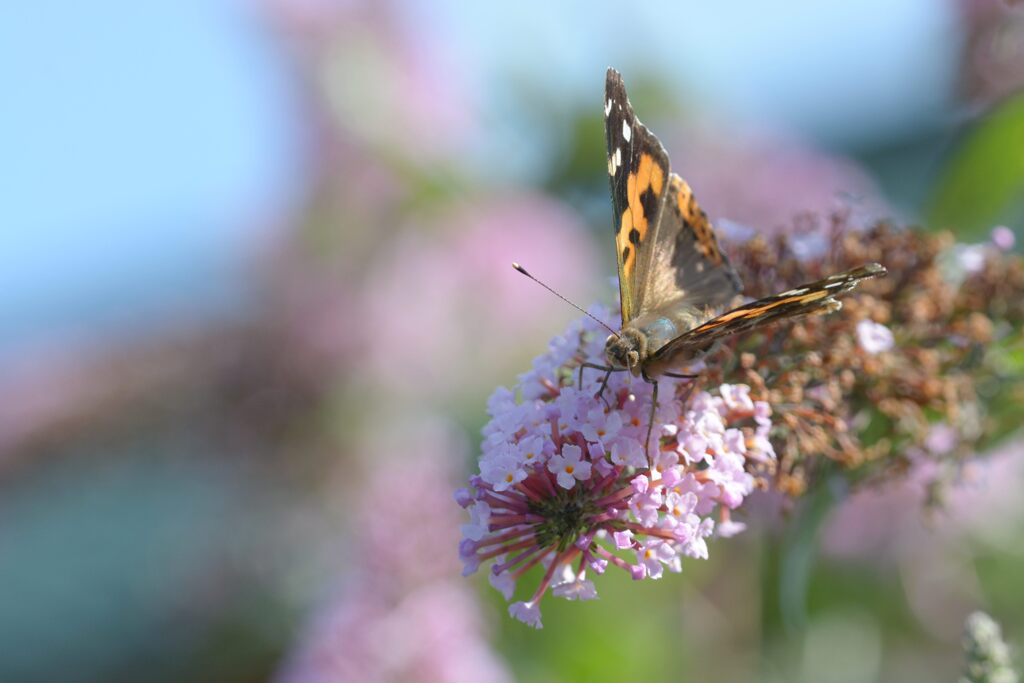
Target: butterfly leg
(678, 376)
(654, 404)
(690, 386)
(595, 366)
(604, 381)
(650, 418)
(604, 385)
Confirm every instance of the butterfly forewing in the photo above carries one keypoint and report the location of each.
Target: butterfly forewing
(638, 171)
(688, 267)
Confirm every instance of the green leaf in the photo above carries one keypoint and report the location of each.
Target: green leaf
(983, 184)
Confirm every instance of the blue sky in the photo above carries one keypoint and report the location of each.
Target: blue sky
(142, 143)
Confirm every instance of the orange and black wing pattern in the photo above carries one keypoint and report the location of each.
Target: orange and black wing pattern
(815, 297)
(638, 171)
(688, 266)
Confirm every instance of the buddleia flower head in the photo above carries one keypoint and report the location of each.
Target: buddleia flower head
(567, 485)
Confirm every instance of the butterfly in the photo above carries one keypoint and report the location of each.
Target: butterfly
(675, 282)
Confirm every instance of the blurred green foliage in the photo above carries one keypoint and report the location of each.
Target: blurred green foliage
(983, 183)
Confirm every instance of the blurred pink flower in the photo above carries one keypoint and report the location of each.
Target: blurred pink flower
(445, 307)
(1003, 237)
(763, 182)
(891, 525)
(994, 55)
(941, 439)
(432, 634)
(982, 501)
(387, 82)
(398, 616)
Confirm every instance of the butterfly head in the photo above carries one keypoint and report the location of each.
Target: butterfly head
(627, 349)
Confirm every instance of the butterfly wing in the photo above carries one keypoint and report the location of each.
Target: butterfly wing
(638, 172)
(687, 266)
(666, 248)
(815, 297)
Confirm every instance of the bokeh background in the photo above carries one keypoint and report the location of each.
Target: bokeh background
(254, 293)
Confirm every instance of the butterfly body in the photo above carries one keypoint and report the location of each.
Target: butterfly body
(677, 289)
(638, 342)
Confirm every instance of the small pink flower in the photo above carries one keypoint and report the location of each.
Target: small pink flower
(696, 546)
(941, 438)
(526, 612)
(1003, 238)
(480, 514)
(729, 529)
(707, 492)
(628, 453)
(574, 586)
(874, 337)
(653, 556)
(569, 466)
(531, 450)
(502, 472)
(680, 506)
(971, 257)
(734, 482)
(623, 539)
(503, 583)
(736, 397)
(601, 428)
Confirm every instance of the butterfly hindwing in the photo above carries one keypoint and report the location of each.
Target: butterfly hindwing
(638, 171)
(688, 266)
(815, 297)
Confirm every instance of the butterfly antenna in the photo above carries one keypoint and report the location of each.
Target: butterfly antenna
(592, 317)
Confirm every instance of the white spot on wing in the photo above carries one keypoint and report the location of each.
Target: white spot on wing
(795, 292)
(839, 283)
(614, 161)
(627, 132)
(607, 107)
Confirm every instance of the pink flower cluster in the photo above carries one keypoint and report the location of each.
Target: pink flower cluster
(399, 614)
(564, 479)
